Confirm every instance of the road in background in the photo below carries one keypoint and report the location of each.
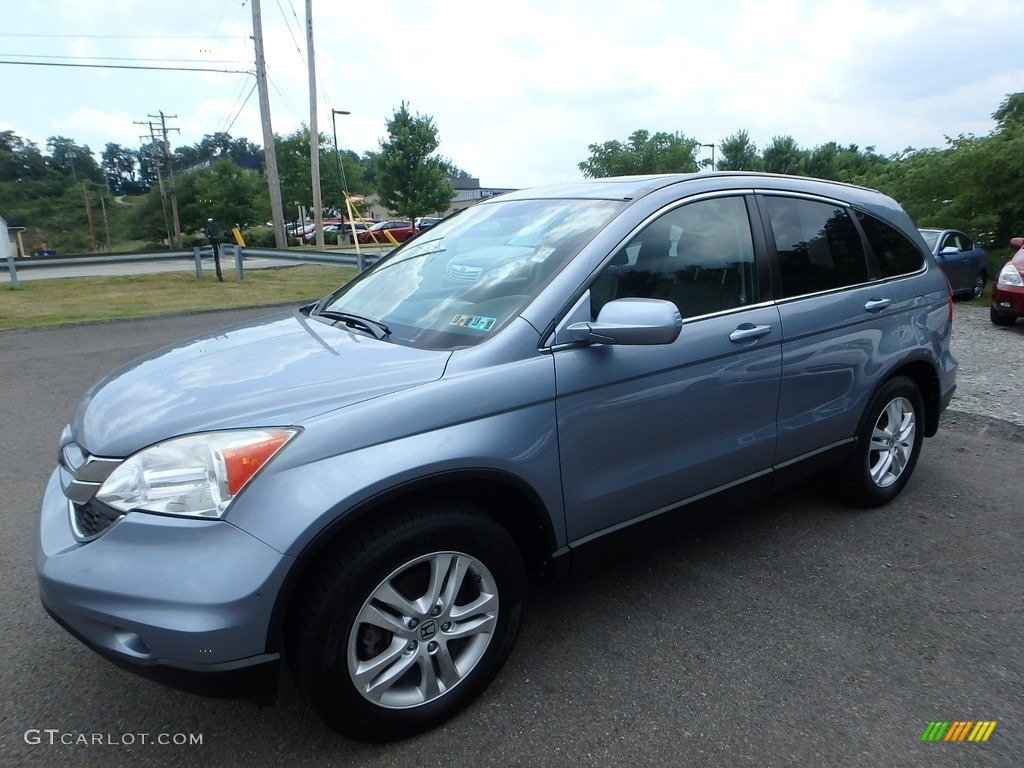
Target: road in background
(54, 270)
(796, 633)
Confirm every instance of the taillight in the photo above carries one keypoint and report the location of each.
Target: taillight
(949, 293)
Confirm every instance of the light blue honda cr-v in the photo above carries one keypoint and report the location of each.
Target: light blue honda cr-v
(364, 485)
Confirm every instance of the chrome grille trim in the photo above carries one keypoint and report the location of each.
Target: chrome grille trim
(88, 524)
(81, 476)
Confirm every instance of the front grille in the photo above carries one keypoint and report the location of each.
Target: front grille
(461, 272)
(81, 476)
(91, 519)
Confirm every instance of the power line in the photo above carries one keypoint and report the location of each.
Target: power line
(239, 112)
(188, 91)
(236, 100)
(127, 37)
(117, 58)
(288, 26)
(126, 66)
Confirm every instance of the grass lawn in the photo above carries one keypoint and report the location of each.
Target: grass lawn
(92, 299)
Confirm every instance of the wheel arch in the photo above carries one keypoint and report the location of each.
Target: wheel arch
(923, 374)
(506, 498)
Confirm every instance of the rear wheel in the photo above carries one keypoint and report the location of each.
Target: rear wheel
(408, 622)
(979, 286)
(888, 443)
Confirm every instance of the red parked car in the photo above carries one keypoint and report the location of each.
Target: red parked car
(1008, 291)
(400, 229)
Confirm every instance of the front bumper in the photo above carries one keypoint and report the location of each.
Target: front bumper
(1008, 300)
(171, 598)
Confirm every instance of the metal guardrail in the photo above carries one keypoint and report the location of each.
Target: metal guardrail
(236, 253)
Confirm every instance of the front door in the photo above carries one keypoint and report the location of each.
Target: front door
(643, 428)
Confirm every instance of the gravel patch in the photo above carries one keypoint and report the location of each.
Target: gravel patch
(991, 368)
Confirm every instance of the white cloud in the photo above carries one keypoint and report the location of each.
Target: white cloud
(519, 90)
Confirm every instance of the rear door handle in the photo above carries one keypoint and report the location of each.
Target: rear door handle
(877, 305)
(749, 332)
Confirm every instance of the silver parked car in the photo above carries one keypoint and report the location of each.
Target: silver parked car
(363, 486)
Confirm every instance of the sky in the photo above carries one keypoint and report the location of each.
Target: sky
(518, 89)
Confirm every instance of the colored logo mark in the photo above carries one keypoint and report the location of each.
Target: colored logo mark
(958, 730)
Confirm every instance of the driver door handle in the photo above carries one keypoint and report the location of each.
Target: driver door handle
(877, 305)
(749, 332)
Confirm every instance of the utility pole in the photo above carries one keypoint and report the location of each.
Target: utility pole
(88, 215)
(170, 178)
(269, 152)
(159, 178)
(314, 134)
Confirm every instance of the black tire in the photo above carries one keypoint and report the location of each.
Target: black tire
(888, 443)
(439, 660)
(979, 286)
(998, 319)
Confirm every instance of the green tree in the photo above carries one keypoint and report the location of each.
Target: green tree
(1011, 110)
(295, 173)
(225, 192)
(121, 168)
(643, 153)
(71, 159)
(782, 155)
(738, 153)
(20, 160)
(410, 180)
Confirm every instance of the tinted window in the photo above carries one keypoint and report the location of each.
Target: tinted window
(895, 254)
(818, 246)
(699, 256)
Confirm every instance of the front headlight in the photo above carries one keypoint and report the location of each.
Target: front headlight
(1009, 275)
(507, 271)
(193, 476)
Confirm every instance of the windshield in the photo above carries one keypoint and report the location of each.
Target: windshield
(930, 236)
(468, 276)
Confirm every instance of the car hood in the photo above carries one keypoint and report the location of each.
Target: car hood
(273, 371)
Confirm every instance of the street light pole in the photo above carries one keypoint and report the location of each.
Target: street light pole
(712, 155)
(337, 157)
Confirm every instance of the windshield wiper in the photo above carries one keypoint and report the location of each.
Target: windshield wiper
(378, 330)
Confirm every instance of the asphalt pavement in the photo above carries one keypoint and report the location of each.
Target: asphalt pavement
(796, 633)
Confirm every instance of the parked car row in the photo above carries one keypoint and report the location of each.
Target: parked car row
(334, 229)
(368, 233)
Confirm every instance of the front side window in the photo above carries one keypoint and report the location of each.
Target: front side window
(818, 246)
(699, 256)
(465, 278)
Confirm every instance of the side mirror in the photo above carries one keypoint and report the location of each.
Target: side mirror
(1017, 243)
(949, 250)
(631, 321)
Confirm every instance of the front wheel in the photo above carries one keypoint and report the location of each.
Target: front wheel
(408, 622)
(888, 443)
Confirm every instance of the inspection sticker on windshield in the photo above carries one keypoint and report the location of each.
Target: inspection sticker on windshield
(475, 322)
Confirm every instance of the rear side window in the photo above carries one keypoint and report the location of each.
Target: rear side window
(818, 246)
(894, 252)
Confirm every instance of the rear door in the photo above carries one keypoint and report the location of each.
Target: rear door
(837, 320)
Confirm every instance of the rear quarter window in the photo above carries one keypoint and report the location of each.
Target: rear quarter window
(894, 252)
